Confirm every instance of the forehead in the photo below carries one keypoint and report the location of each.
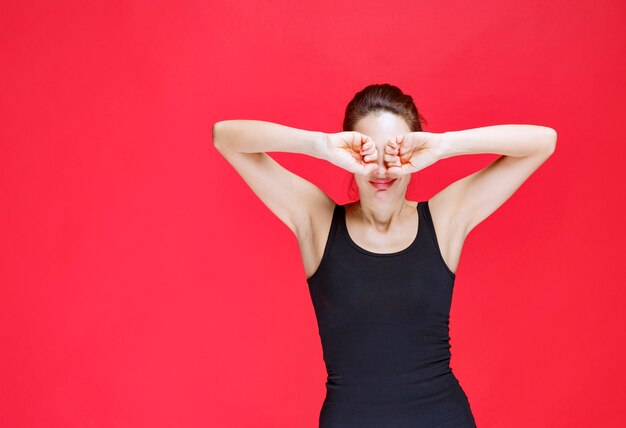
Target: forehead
(382, 125)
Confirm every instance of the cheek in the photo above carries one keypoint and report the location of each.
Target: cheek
(402, 183)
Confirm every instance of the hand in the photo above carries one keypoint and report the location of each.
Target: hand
(409, 153)
(352, 151)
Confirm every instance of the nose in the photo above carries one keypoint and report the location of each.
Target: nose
(381, 171)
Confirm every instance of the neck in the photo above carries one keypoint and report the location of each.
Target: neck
(380, 216)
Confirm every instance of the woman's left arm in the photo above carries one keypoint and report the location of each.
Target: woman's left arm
(473, 198)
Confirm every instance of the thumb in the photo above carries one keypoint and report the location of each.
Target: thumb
(394, 171)
(366, 169)
(371, 168)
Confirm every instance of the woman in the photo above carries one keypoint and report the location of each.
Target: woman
(381, 270)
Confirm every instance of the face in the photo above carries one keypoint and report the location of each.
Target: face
(380, 127)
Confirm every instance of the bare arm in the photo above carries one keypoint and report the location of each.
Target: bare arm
(468, 201)
(257, 136)
(292, 199)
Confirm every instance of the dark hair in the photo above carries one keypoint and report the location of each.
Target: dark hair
(378, 98)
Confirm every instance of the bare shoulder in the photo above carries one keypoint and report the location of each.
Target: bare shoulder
(313, 235)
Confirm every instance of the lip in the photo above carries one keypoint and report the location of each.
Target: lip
(384, 184)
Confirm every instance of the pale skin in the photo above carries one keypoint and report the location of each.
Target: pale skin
(380, 147)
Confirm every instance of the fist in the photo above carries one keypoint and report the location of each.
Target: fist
(352, 151)
(409, 153)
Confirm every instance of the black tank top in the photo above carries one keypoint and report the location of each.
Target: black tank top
(383, 322)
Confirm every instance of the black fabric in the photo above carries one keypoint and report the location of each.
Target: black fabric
(383, 323)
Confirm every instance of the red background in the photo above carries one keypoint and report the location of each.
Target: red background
(143, 284)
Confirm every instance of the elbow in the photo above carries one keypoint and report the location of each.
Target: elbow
(550, 141)
(222, 132)
(217, 134)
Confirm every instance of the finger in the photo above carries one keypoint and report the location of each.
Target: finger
(396, 145)
(357, 141)
(394, 171)
(404, 145)
(391, 150)
(366, 141)
(391, 159)
(370, 157)
(387, 157)
(372, 168)
(366, 169)
(368, 149)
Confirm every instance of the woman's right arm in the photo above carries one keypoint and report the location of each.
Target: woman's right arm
(291, 198)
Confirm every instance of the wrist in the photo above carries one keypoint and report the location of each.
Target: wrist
(320, 145)
(444, 145)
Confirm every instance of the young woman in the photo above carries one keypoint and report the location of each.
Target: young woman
(381, 270)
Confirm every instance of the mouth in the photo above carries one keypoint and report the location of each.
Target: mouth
(382, 184)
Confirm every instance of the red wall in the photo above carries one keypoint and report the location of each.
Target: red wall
(143, 284)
